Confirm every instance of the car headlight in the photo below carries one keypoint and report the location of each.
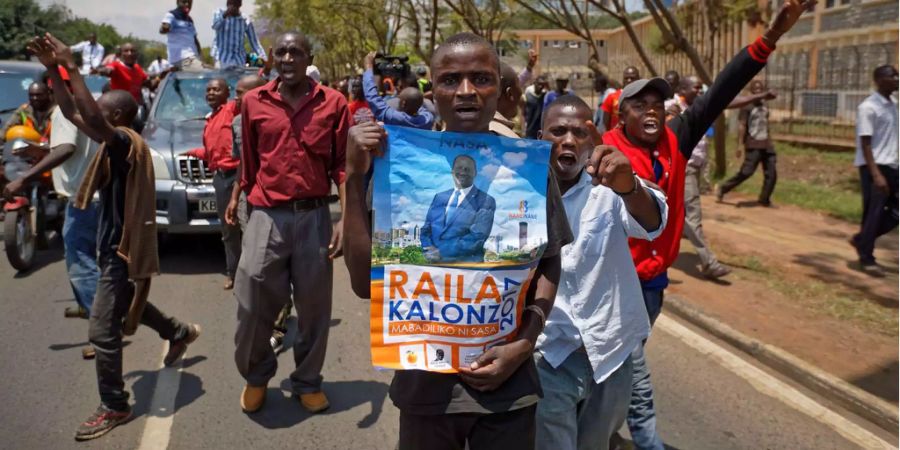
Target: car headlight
(160, 168)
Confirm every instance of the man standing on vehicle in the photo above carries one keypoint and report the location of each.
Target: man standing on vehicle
(91, 53)
(293, 147)
(183, 46)
(216, 151)
(231, 27)
(71, 152)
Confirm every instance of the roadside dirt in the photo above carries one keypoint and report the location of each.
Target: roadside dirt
(794, 286)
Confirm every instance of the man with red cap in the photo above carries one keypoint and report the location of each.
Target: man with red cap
(659, 152)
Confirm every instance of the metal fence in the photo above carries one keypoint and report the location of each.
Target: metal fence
(820, 108)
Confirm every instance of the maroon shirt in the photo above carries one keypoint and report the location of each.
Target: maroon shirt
(290, 154)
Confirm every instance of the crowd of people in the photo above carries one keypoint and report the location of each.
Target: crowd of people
(628, 169)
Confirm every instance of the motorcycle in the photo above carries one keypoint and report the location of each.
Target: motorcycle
(31, 216)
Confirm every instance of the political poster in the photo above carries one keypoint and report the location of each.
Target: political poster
(459, 224)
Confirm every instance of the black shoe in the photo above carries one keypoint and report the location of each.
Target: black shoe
(101, 422)
(872, 269)
(177, 348)
(76, 312)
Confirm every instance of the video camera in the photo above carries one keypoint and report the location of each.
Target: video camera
(390, 66)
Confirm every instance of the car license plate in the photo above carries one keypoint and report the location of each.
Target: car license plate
(208, 206)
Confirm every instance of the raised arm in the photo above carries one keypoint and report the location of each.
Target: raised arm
(218, 19)
(744, 100)
(95, 125)
(692, 124)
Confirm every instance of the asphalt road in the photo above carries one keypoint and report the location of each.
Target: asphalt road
(48, 389)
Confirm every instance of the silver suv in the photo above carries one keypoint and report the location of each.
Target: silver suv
(185, 199)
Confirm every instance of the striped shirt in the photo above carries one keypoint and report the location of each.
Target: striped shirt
(228, 46)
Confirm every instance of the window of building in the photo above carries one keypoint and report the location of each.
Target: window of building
(557, 44)
(574, 44)
(834, 3)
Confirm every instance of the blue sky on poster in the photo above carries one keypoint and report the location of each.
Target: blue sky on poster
(509, 174)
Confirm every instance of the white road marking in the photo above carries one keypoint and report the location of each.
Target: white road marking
(772, 386)
(158, 428)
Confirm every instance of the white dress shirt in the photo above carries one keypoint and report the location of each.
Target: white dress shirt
(462, 196)
(877, 117)
(599, 304)
(91, 55)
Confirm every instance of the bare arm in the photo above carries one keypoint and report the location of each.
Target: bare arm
(95, 125)
(744, 100)
(164, 28)
(357, 238)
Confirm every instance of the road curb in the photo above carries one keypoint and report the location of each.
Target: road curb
(858, 401)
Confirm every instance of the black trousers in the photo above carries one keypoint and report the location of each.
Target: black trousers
(879, 212)
(752, 158)
(507, 430)
(111, 303)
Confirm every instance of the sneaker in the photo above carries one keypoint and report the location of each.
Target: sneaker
(719, 194)
(76, 312)
(766, 204)
(715, 272)
(101, 422)
(314, 402)
(177, 348)
(229, 284)
(277, 341)
(88, 352)
(872, 269)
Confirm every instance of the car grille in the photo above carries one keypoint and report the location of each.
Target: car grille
(193, 170)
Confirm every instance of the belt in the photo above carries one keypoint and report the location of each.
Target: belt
(306, 204)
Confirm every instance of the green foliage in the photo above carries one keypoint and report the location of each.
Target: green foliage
(21, 20)
(412, 255)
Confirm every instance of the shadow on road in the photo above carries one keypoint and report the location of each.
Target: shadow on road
(192, 254)
(42, 258)
(823, 264)
(689, 263)
(59, 347)
(190, 388)
(283, 409)
(881, 382)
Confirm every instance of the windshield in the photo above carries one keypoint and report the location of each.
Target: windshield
(14, 87)
(185, 98)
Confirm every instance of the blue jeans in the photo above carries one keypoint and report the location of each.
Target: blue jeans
(80, 241)
(576, 413)
(641, 413)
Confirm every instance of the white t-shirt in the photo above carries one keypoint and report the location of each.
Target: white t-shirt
(877, 117)
(157, 67)
(91, 55)
(180, 38)
(67, 176)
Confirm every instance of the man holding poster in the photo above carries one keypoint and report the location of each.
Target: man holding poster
(460, 219)
(483, 399)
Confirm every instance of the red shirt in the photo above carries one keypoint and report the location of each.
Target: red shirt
(288, 153)
(126, 78)
(218, 140)
(611, 107)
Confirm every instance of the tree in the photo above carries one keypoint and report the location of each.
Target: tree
(21, 20)
(575, 17)
(715, 13)
(486, 18)
(422, 18)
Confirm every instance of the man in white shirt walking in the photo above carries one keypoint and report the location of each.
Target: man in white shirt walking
(584, 353)
(876, 158)
(91, 53)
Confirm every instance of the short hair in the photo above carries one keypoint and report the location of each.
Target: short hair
(122, 100)
(300, 37)
(219, 80)
(634, 69)
(254, 80)
(883, 71)
(688, 82)
(466, 38)
(672, 73)
(508, 77)
(39, 85)
(458, 157)
(566, 100)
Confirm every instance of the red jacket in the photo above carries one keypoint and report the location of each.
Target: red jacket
(652, 258)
